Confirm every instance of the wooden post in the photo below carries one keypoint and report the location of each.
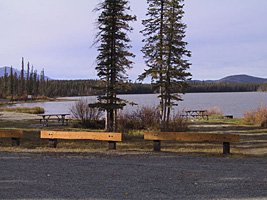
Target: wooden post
(156, 145)
(15, 141)
(52, 143)
(111, 145)
(226, 148)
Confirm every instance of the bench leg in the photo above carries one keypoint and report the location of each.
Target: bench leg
(52, 143)
(111, 145)
(226, 148)
(156, 145)
(15, 141)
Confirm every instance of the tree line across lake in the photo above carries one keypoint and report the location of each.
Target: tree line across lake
(57, 88)
(28, 83)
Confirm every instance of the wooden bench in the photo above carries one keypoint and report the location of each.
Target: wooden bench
(110, 137)
(157, 137)
(15, 135)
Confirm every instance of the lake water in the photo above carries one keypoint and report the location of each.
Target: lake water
(235, 104)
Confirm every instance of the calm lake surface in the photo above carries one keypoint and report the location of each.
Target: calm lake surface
(235, 104)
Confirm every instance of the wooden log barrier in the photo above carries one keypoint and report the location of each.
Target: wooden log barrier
(15, 135)
(110, 137)
(225, 139)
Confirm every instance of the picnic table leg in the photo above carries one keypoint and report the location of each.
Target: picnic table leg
(64, 121)
(43, 122)
(46, 122)
(226, 148)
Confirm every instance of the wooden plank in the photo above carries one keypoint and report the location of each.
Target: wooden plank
(68, 135)
(191, 137)
(11, 133)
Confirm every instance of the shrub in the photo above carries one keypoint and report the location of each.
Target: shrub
(177, 123)
(256, 117)
(87, 117)
(148, 118)
(143, 118)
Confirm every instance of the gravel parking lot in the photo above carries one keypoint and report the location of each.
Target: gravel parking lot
(131, 176)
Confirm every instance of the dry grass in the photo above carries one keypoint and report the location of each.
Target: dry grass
(256, 117)
(30, 110)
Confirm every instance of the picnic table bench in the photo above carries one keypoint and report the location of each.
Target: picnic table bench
(61, 118)
(196, 114)
(110, 137)
(157, 137)
(15, 135)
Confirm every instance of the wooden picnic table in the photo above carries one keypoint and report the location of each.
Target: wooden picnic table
(197, 113)
(60, 117)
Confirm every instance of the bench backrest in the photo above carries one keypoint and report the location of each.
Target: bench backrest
(191, 137)
(102, 136)
(5, 133)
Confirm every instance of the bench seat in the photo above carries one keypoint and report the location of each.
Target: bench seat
(191, 137)
(15, 135)
(110, 137)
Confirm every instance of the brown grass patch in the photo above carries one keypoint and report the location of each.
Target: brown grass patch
(256, 117)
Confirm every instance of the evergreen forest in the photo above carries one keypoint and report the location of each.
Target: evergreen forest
(16, 86)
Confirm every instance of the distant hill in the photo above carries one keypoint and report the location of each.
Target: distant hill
(242, 79)
(2, 71)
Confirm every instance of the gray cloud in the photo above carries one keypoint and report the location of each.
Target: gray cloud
(225, 37)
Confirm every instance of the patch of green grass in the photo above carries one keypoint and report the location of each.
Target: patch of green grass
(220, 119)
(20, 124)
(31, 110)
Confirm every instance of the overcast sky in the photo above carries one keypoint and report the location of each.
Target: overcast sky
(225, 36)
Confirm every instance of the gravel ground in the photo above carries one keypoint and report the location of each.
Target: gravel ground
(118, 176)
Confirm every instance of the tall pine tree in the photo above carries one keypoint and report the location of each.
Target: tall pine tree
(11, 83)
(22, 79)
(165, 53)
(113, 60)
